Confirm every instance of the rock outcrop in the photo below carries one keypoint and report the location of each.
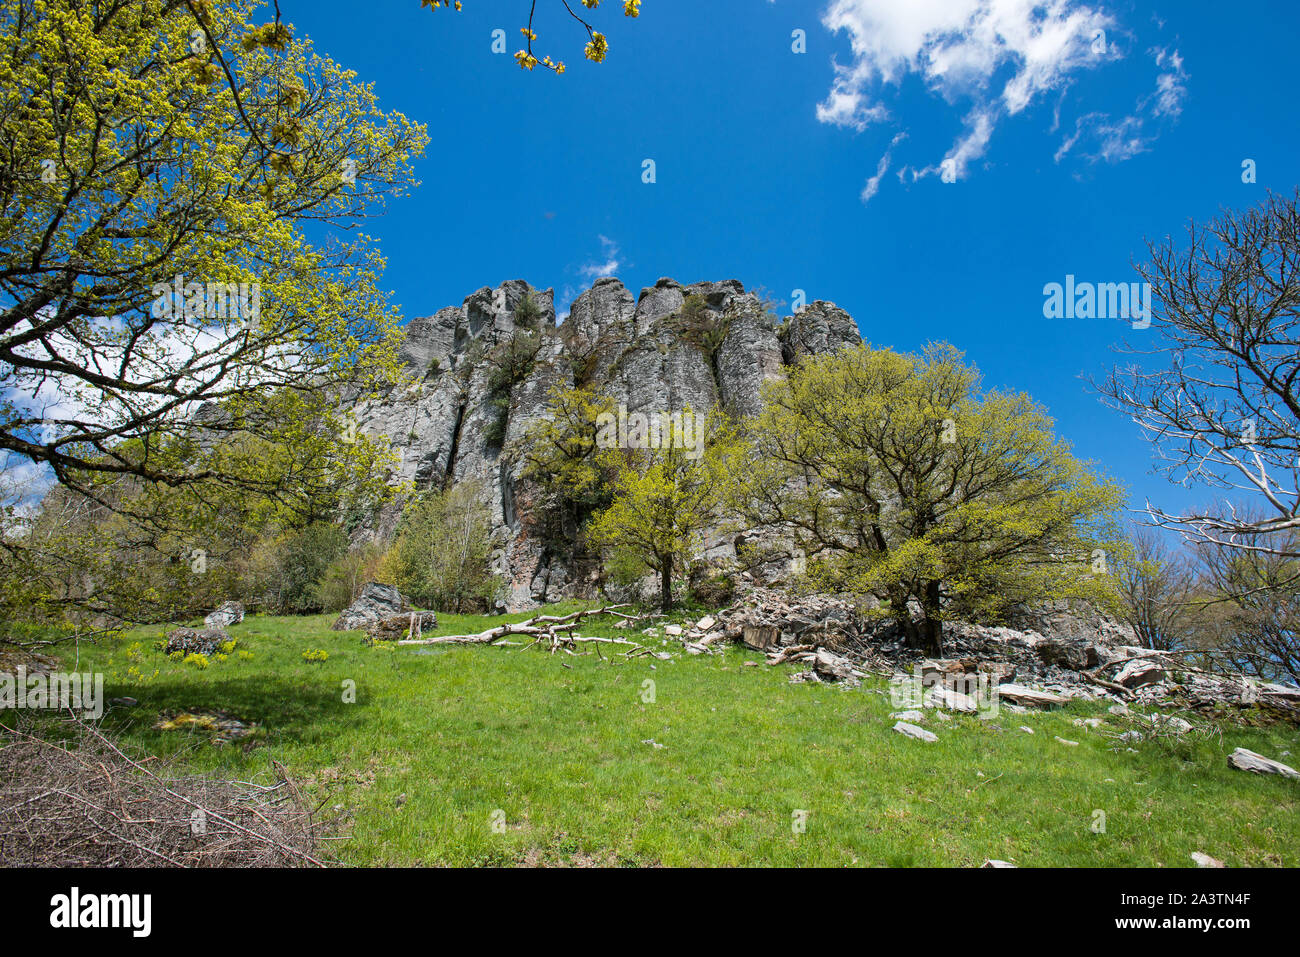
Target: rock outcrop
(375, 603)
(227, 613)
(452, 425)
(195, 641)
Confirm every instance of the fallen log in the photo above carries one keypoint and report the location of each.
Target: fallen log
(558, 631)
(1120, 690)
(789, 653)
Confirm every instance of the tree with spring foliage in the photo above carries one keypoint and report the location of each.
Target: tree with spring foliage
(901, 480)
(665, 498)
(442, 556)
(160, 162)
(561, 452)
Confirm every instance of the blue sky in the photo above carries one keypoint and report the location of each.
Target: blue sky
(1068, 150)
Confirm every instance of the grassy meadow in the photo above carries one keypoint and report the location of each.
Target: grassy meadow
(474, 755)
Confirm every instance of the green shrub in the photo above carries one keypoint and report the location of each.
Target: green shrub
(286, 570)
(343, 578)
(442, 556)
(528, 313)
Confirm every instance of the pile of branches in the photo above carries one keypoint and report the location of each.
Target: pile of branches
(69, 797)
(552, 632)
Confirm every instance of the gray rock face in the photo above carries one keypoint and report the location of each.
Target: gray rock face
(447, 425)
(822, 327)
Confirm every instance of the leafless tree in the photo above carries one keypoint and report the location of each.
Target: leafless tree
(1158, 586)
(1223, 407)
(1253, 607)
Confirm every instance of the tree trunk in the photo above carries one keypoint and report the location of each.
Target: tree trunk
(932, 619)
(666, 585)
(931, 635)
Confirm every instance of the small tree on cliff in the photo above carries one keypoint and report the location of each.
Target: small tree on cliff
(665, 498)
(442, 557)
(902, 481)
(562, 456)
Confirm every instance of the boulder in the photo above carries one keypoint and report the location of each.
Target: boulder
(912, 731)
(1019, 694)
(1069, 653)
(1142, 671)
(402, 625)
(195, 641)
(760, 637)
(226, 614)
(375, 602)
(831, 665)
(912, 717)
(941, 697)
(1169, 723)
(967, 672)
(1244, 760)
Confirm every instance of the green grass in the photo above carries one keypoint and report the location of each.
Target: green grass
(441, 738)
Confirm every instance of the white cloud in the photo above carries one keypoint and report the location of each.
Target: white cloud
(968, 148)
(1171, 86)
(996, 56)
(957, 46)
(606, 264)
(873, 184)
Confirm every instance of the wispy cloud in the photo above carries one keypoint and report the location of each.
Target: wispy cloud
(873, 183)
(607, 263)
(990, 58)
(1103, 138)
(1171, 86)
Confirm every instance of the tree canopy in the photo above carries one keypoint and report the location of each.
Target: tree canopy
(901, 479)
(161, 163)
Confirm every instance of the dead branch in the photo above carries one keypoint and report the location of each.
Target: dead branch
(90, 804)
(548, 627)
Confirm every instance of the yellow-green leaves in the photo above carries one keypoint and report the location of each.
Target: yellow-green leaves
(597, 44)
(665, 498)
(561, 451)
(903, 480)
(157, 150)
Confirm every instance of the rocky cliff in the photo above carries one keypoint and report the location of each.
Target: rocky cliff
(448, 425)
